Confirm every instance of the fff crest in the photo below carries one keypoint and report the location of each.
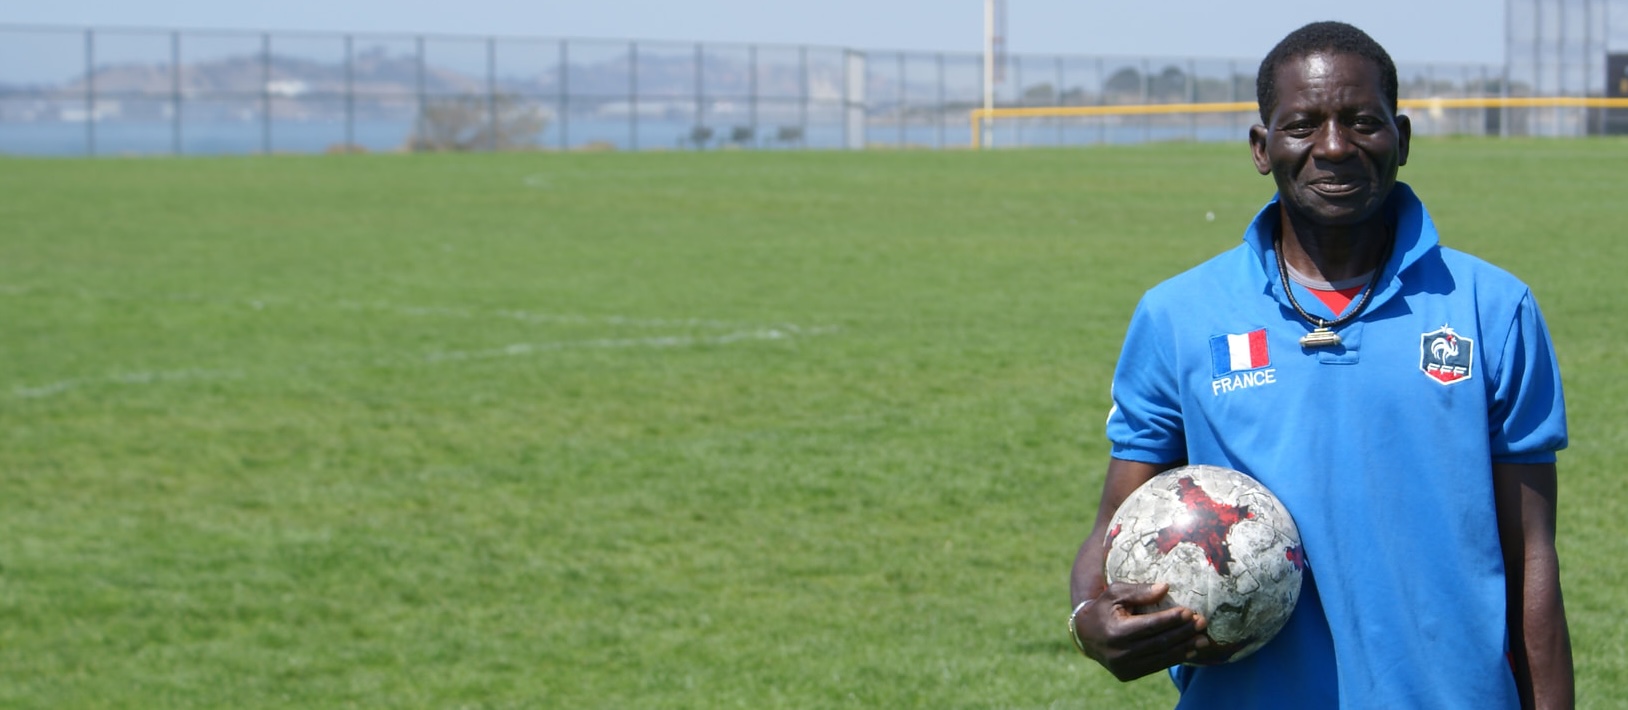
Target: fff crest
(1446, 356)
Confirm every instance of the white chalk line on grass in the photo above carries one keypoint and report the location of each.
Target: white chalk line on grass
(781, 332)
(537, 317)
(526, 316)
(552, 178)
(532, 317)
(275, 302)
(669, 341)
(737, 332)
(123, 378)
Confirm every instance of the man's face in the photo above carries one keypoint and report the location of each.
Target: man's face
(1332, 145)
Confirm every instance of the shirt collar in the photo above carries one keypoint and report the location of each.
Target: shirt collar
(1415, 237)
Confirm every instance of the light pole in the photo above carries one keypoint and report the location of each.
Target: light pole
(989, 71)
(994, 69)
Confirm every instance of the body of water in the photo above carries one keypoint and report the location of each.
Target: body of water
(158, 137)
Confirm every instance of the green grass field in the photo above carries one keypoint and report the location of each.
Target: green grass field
(646, 430)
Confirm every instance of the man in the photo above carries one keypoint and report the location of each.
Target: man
(1402, 399)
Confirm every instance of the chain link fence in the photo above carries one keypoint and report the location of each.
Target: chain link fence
(1567, 48)
(140, 91)
(118, 91)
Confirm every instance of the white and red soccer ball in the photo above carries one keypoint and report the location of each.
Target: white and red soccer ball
(1226, 546)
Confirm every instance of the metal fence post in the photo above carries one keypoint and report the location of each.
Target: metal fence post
(1147, 121)
(1588, 55)
(90, 93)
(802, 97)
(751, 91)
(700, 114)
(1537, 62)
(941, 109)
(847, 74)
(1192, 97)
(1015, 67)
(1057, 98)
(904, 104)
(1232, 93)
(1503, 84)
(1560, 68)
(418, 119)
(1430, 88)
(857, 99)
(1503, 92)
(1481, 93)
(265, 93)
(491, 93)
(1102, 100)
(633, 95)
(565, 94)
(350, 94)
(175, 92)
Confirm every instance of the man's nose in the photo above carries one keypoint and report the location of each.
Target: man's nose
(1334, 142)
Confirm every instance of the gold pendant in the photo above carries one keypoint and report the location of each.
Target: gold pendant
(1320, 338)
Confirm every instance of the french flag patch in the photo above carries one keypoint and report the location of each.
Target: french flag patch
(1237, 352)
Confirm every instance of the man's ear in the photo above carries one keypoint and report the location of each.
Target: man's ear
(1257, 146)
(1404, 136)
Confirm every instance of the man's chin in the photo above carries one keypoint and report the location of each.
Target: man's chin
(1338, 213)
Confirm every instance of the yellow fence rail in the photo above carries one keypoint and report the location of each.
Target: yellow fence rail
(980, 116)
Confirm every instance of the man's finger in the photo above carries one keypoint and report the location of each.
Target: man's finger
(1155, 657)
(1176, 622)
(1124, 593)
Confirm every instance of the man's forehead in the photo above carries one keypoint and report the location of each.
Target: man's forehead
(1324, 63)
(1317, 78)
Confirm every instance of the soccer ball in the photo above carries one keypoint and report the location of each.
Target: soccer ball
(1225, 545)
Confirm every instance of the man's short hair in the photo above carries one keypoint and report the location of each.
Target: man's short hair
(1327, 37)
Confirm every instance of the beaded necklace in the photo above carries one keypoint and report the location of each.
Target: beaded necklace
(1324, 335)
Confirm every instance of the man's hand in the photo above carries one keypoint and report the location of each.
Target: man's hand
(1131, 645)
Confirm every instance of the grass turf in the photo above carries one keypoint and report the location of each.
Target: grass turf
(644, 430)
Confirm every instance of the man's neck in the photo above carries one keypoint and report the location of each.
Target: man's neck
(1334, 253)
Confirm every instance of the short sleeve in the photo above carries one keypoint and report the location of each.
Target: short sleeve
(1527, 410)
(1145, 423)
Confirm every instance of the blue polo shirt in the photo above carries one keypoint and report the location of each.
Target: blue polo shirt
(1381, 447)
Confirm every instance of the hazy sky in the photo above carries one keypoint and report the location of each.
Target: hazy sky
(1413, 31)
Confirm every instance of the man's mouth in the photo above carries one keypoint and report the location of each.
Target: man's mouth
(1337, 187)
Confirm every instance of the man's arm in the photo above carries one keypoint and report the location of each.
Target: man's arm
(1540, 645)
(1128, 644)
